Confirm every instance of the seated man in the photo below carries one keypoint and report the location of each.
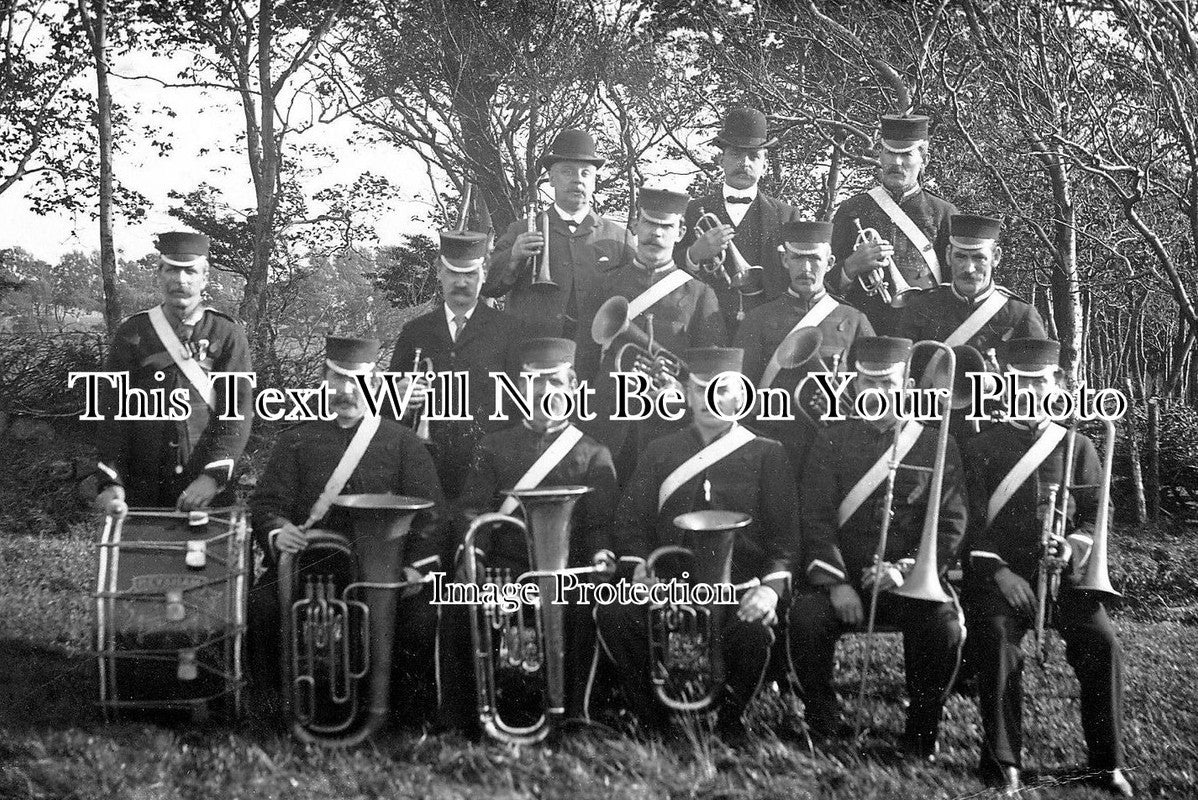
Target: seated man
(1010, 469)
(307, 471)
(842, 496)
(541, 452)
(710, 464)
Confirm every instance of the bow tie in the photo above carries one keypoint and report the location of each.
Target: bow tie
(735, 199)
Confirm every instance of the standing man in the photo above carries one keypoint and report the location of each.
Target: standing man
(353, 453)
(582, 245)
(186, 463)
(749, 218)
(807, 256)
(1010, 468)
(680, 310)
(710, 464)
(911, 223)
(462, 335)
(842, 495)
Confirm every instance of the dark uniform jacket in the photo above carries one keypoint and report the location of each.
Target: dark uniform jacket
(155, 461)
(489, 342)
(576, 260)
(936, 314)
(756, 479)
(1013, 538)
(395, 462)
(929, 213)
(757, 239)
(503, 457)
(837, 461)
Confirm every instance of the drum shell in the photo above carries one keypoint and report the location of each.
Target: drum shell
(170, 635)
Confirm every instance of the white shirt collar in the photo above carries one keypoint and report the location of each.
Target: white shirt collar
(730, 191)
(449, 314)
(575, 218)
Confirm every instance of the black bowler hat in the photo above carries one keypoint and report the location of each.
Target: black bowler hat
(572, 144)
(182, 248)
(469, 248)
(744, 127)
(547, 354)
(971, 232)
(806, 237)
(663, 205)
(1033, 357)
(351, 356)
(881, 355)
(707, 362)
(909, 129)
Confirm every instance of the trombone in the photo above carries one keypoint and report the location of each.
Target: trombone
(640, 353)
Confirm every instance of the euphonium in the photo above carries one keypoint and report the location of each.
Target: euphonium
(730, 265)
(333, 639)
(538, 264)
(686, 660)
(514, 643)
(421, 426)
(640, 353)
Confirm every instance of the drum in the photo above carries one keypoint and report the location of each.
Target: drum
(171, 610)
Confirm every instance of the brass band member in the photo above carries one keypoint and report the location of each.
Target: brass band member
(750, 218)
(685, 314)
(911, 223)
(1010, 468)
(461, 335)
(582, 244)
(297, 486)
(186, 463)
(807, 256)
(539, 452)
(710, 464)
(842, 497)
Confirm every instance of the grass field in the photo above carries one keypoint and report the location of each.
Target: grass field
(53, 743)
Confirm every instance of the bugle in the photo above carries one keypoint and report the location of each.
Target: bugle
(338, 626)
(527, 643)
(421, 415)
(538, 264)
(639, 353)
(686, 660)
(730, 265)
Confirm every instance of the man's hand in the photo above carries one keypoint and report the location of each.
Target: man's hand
(847, 604)
(416, 399)
(1016, 590)
(892, 576)
(759, 604)
(526, 244)
(290, 539)
(606, 565)
(711, 244)
(198, 494)
(867, 258)
(641, 575)
(112, 501)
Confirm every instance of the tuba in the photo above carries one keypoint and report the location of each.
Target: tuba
(730, 265)
(337, 599)
(686, 660)
(528, 641)
(640, 353)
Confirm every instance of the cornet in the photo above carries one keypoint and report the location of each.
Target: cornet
(421, 422)
(538, 265)
(875, 281)
(730, 265)
(640, 353)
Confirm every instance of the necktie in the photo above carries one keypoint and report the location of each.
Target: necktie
(459, 322)
(573, 226)
(735, 199)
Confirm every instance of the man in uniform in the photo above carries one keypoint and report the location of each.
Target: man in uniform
(582, 245)
(710, 464)
(684, 311)
(461, 335)
(749, 218)
(842, 495)
(806, 304)
(295, 494)
(540, 452)
(912, 226)
(186, 463)
(1010, 468)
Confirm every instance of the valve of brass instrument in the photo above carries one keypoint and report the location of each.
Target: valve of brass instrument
(872, 248)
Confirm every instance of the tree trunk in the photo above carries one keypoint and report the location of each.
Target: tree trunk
(1153, 483)
(1137, 474)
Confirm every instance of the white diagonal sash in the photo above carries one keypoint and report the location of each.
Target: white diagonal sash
(975, 321)
(186, 364)
(910, 230)
(724, 446)
(1023, 469)
(874, 476)
(814, 316)
(345, 467)
(648, 298)
(544, 464)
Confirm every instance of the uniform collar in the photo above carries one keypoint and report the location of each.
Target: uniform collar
(973, 301)
(191, 319)
(1029, 426)
(900, 199)
(815, 298)
(669, 266)
(554, 427)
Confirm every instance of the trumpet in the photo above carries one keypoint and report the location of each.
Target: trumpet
(335, 638)
(641, 353)
(421, 422)
(730, 265)
(518, 644)
(922, 581)
(538, 265)
(686, 659)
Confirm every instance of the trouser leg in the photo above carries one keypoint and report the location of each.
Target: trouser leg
(746, 648)
(624, 636)
(932, 639)
(997, 630)
(814, 631)
(264, 646)
(414, 687)
(1093, 650)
